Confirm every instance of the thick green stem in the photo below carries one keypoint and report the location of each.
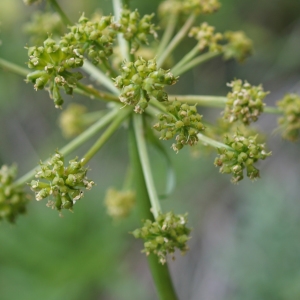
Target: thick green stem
(176, 40)
(187, 58)
(122, 115)
(196, 61)
(172, 21)
(160, 273)
(144, 158)
(62, 15)
(76, 143)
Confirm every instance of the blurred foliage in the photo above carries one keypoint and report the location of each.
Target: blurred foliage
(86, 256)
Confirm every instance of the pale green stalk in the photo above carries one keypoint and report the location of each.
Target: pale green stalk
(62, 15)
(122, 42)
(208, 141)
(176, 40)
(186, 59)
(144, 159)
(76, 143)
(196, 61)
(99, 76)
(210, 101)
(171, 25)
(13, 68)
(122, 115)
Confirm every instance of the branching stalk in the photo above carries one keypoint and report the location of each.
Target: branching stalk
(208, 141)
(76, 143)
(176, 40)
(144, 158)
(106, 135)
(61, 13)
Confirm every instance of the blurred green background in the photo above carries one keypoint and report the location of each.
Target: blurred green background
(245, 240)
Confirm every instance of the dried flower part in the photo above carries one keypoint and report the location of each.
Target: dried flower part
(245, 102)
(164, 235)
(239, 46)
(13, 200)
(41, 24)
(189, 7)
(119, 203)
(70, 121)
(52, 64)
(64, 184)
(141, 81)
(95, 38)
(244, 152)
(182, 121)
(290, 121)
(207, 37)
(136, 29)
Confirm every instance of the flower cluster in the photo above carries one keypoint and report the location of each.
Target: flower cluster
(64, 183)
(290, 121)
(206, 37)
(13, 200)
(239, 46)
(189, 7)
(52, 63)
(242, 153)
(136, 29)
(181, 120)
(164, 235)
(142, 80)
(245, 102)
(95, 37)
(119, 203)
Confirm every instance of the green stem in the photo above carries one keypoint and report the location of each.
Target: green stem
(189, 56)
(92, 92)
(62, 15)
(144, 158)
(206, 140)
(74, 144)
(13, 67)
(196, 61)
(160, 273)
(170, 28)
(176, 40)
(210, 101)
(106, 134)
(122, 42)
(272, 110)
(99, 76)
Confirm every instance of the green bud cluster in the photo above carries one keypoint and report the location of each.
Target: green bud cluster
(95, 38)
(141, 81)
(245, 102)
(70, 120)
(52, 63)
(239, 46)
(164, 235)
(41, 24)
(244, 152)
(207, 37)
(181, 120)
(119, 203)
(136, 29)
(189, 7)
(13, 200)
(290, 121)
(65, 184)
